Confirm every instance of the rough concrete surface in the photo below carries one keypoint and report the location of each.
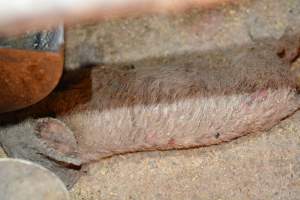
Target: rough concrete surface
(31, 182)
(2, 153)
(153, 39)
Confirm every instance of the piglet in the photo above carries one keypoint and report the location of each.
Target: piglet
(115, 110)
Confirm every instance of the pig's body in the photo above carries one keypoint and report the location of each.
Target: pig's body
(177, 107)
(115, 110)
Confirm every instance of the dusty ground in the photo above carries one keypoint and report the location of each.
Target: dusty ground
(2, 153)
(157, 39)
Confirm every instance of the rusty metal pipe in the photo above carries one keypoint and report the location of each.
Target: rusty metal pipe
(30, 68)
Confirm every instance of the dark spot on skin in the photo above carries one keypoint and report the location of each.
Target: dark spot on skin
(132, 67)
(172, 142)
(281, 53)
(217, 135)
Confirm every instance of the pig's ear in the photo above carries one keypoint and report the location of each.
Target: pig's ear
(57, 141)
(47, 142)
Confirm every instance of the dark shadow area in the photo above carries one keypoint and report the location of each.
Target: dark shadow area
(75, 84)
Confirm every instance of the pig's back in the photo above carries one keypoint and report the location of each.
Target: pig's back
(179, 107)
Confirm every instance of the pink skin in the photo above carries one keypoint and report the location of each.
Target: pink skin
(168, 108)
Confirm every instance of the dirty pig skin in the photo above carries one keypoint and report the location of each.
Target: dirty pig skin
(117, 110)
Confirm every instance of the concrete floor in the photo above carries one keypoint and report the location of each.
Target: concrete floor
(2, 153)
